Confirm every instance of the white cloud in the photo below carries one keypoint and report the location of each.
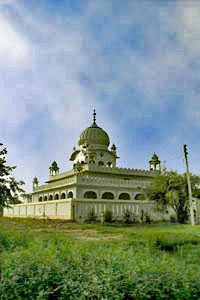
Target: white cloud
(14, 47)
(189, 26)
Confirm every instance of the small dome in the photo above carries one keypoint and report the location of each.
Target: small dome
(155, 156)
(35, 180)
(54, 165)
(94, 135)
(113, 148)
(154, 159)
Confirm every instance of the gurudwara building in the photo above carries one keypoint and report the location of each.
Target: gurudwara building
(94, 183)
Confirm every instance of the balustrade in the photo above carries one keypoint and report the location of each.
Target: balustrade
(112, 182)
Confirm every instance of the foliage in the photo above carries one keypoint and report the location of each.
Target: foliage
(9, 187)
(108, 216)
(145, 217)
(140, 197)
(169, 189)
(60, 260)
(92, 216)
(129, 217)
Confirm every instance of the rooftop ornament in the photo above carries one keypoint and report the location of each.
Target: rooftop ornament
(54, 169)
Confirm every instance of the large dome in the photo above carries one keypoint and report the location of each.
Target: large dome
(94, 135)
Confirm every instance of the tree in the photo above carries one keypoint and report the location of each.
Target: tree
(10, 188)
(169, 189)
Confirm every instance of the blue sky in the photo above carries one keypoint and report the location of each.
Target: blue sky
(136, 62)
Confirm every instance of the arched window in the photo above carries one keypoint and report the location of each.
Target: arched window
(45, 198)
(90, 195)
(70, 195)
(63, 196)
(109, 164)
(56, 197)
(107, 195)
(40, 199)
(101, 163)
(50, 197)
(92, 161)
(140, 197)
(124, 196)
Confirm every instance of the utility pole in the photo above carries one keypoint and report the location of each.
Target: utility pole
(189, 186)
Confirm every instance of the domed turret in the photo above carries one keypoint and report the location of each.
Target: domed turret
(54, 168)
(154, 162)
(94, 135)
(35, 182)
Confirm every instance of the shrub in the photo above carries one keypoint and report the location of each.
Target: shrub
(108, 216)
(92, 215)
(129, 217)
(145, 217)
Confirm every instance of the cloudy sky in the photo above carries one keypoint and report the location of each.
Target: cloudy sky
(137, 62)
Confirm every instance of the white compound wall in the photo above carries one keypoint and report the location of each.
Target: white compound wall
(79, 209)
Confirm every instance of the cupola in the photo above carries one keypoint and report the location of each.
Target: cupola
(54, 169)
(154, 163)
(35, 182)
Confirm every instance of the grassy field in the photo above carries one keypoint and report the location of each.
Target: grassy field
(60, 260)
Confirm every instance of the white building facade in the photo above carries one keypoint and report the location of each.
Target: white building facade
(94, 183)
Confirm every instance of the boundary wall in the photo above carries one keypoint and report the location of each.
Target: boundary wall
(78, 209)
(51, 209)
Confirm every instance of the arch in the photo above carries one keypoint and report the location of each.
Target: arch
(90, 195)
(139, 197)
(92, 161)
(107, 195)
(109, 164)
(63, 196)
(50, 197)
(124, 196)
(40, 199)
(56, 196)
(45, 198)
(70, 195)
(101, 163)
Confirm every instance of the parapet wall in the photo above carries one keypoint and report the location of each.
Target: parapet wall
(123, 171)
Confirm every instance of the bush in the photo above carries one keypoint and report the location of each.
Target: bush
(92, 215)
(108, 216)
(129, 217)
(145, 217)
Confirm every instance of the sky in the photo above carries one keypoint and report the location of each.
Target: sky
(137, 62)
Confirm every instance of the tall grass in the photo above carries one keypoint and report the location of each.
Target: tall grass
(56, 260)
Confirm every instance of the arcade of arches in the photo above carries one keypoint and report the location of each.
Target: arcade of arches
(110, 195)
(92, 195)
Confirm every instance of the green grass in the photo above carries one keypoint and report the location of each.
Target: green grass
(59, 260)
